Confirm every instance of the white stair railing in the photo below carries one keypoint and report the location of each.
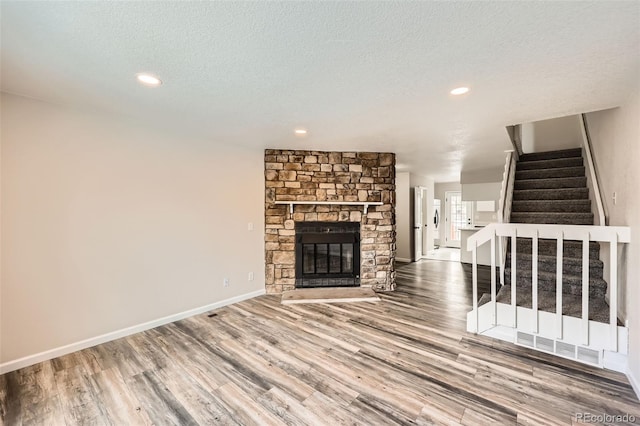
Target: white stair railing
(585, 233)
(504, 205)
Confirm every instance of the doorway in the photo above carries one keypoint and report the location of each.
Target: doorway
(458, 214)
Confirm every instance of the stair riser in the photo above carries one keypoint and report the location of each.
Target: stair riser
(550, 173)
(550, 218)
(568, 267)
(557, 183)
(597, 288)
(566, 206)
(571, 305)
(549, 164)
(569, 248)
(559, 194)
(552, 155)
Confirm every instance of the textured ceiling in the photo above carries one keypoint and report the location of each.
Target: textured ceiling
(359, 76)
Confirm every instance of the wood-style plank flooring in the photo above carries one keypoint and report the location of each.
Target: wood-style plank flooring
(404, 360)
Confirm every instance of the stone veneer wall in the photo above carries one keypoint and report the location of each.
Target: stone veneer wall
(330, 176)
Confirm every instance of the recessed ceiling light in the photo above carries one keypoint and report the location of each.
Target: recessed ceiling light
(148, 80)
(459, 90)
(300, 132)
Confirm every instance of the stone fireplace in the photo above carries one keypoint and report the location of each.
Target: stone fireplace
(343, 231)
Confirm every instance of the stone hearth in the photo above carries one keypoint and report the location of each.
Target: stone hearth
(330, 176)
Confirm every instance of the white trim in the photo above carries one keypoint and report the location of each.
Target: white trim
(570, 232)
(402, 259)
(501, 332)
(332, 203)
(366, 204)
(635, 383)
(93, 341)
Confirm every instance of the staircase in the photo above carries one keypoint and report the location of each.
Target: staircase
(553, 300)
(551, 188)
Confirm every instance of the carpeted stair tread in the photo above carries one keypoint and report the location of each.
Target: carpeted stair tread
(575, 206)
(571, 284)
(558, 172)
(552, 218)
(552, 183)
(555, 194)
(570, 248)
(549, 164)
(571, 305)
(551, 188)
(552, 155)
(570, 265)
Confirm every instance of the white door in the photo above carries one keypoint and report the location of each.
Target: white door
(435, 220)
(427, 224)
(417, 222)
(458, 214)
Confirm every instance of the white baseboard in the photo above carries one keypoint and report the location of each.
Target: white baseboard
(93, 341)
(501, 332)
(635, 383)
(402, 259)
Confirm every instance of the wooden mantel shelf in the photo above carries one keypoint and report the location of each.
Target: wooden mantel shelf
(366, 204)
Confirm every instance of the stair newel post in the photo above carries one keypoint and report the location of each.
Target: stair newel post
(585, 288)
(559, 257)
(613, 291)
(501, 259)
(514, 306)
(493, 279)
(474, 274)
(534, 280)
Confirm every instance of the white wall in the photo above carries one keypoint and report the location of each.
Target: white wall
(493, 174)
(482, 185)
(551, 135)
(615, 136)
(404, 227)
(107, 225)
(527, 136)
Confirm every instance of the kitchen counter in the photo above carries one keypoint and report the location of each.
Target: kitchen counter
(472, 227)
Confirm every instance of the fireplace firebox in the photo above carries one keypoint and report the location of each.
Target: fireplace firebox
(327, 254)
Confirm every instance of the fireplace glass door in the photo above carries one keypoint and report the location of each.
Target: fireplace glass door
(327, 254)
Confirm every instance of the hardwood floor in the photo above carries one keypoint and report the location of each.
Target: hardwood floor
(406, 359)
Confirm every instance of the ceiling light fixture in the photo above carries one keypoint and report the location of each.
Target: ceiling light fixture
(148, 80)
(459, 91)
(300, 132)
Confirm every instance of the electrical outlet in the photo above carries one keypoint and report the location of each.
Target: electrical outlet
(250, 276)
(225, 282)
(615, 198)
(250, 226)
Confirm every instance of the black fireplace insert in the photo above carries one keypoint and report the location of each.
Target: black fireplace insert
(327, 254)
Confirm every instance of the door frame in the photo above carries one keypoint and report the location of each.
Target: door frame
(418, 223)
(422, 236)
